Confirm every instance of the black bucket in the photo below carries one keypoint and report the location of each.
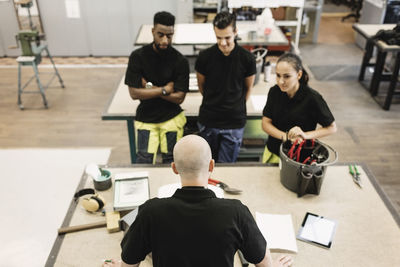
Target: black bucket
(305, 174)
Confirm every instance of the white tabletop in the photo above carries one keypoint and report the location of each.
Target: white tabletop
(203, 34)
(123, 107)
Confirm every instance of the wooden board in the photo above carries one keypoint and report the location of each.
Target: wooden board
(367, 233)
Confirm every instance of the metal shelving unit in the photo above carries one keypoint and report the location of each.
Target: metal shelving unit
(298, 4)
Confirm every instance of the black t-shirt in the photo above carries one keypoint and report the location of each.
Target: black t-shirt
(159, 69)
(193, 228)
(224, 96)
(306, 109)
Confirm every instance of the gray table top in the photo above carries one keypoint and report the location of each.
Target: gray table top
(203, 34)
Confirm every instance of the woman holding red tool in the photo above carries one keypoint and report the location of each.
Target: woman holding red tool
(293, 109)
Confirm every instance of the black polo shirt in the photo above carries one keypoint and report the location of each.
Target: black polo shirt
(224, 96)
(306, 109)
(193, 228)
(159, 69)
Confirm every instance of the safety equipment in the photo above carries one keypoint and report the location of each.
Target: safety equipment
(92, 203)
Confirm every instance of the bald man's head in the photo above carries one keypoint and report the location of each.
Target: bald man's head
(192, 156)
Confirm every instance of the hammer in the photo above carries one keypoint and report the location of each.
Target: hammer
(112, 218)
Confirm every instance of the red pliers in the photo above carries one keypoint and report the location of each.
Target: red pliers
(224, 187)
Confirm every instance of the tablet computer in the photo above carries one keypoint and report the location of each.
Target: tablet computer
(317, 230)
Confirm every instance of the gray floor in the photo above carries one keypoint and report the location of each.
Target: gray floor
(366, 133)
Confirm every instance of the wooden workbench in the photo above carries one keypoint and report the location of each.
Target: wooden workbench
(367, 231)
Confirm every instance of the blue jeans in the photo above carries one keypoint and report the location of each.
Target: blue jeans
(225, 143)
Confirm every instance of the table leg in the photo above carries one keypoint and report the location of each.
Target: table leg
(132, 139)
(369, 48)
(378, 73)
(393, 83)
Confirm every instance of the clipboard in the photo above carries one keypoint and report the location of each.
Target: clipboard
(317, 230)
(130, 190)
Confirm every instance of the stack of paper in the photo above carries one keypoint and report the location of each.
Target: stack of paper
(277, 230)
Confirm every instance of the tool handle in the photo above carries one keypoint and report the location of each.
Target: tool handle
(212, 181)
(70, 229)
(351, 170)
(356, 170)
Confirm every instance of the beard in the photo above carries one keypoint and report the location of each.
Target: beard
(162, 51)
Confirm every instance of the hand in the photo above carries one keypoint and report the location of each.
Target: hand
(283, 261)
(144, 82)
(296, 133)
(169, 87)
(113, 263)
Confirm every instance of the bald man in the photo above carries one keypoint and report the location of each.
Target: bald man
(194, 227)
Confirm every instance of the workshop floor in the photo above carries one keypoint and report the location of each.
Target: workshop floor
(366, 133)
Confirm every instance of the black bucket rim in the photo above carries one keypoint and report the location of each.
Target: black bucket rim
(325, 163)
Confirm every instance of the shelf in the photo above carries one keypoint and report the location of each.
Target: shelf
(286, 23)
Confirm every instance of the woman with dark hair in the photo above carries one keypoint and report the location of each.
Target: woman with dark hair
(293, 109)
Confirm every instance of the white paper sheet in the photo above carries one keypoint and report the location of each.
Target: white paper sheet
(130, 189)
(133, 191)
(278, 230)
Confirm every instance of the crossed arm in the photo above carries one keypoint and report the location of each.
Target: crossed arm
(144, 93)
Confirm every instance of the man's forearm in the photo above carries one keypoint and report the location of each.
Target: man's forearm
(248, 83)
(176, 97)
(145, 93)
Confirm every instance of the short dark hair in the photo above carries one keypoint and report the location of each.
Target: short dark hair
(224, 19)
(164, 18)
(295, 61)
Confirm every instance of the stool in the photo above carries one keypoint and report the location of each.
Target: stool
(379, 74)
(34, 61)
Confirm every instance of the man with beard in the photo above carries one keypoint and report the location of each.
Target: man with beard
(158, 76)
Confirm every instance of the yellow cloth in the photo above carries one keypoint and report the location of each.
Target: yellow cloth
(269, 157)
(158, 133)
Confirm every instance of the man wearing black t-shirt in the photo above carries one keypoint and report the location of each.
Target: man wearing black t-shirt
(225, 75)
(194, 228)
(158, 75)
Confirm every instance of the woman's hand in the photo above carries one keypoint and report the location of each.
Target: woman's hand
(296, 133)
